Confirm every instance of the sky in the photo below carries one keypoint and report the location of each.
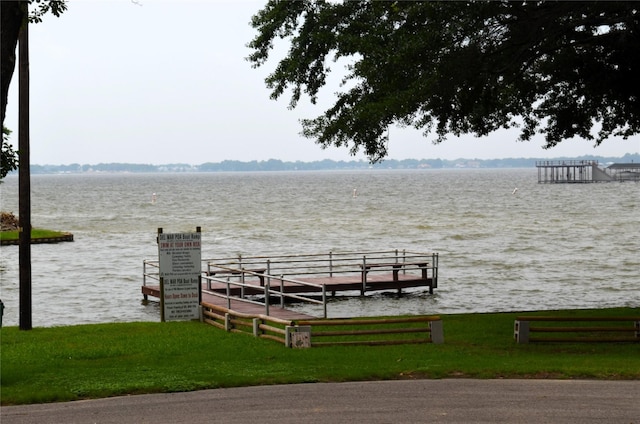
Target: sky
(167, 81)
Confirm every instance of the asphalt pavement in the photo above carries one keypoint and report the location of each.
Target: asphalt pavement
(405, 401)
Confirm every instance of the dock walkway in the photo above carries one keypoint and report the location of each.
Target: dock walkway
(237, 305)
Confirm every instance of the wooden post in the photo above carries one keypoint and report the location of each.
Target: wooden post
(256, 327)
(24, 177)
(437, 333)
(521, 331)
(228, 326)
(287, 335)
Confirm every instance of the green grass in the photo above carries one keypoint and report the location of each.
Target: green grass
(93, 361)
(35, 234)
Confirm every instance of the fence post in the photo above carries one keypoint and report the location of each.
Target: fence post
(287, 336)
(256, 327)
(227, 322)
(521, 331)
(437, 333)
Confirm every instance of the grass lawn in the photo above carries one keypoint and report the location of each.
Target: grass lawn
(101, 360)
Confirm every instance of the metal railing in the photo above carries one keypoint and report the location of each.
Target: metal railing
(325, 264)
(566, 163)
(231, 278)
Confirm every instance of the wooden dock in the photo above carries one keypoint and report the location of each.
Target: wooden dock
(265, 285)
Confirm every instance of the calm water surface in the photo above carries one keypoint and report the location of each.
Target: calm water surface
(544, 247)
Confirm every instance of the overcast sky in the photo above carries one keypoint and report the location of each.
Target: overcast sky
(167, 82)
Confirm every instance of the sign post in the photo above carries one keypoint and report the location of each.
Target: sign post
(179, 256)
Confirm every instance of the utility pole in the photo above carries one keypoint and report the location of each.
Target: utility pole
(24, 174)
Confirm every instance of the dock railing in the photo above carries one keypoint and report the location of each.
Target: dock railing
(234, 280)
(335, 263)
(150, 274)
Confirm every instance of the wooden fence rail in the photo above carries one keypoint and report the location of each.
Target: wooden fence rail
(353, 331)
(302, 334)
(262, 326)
(576, 329)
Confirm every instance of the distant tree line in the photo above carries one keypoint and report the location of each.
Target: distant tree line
(322, 165)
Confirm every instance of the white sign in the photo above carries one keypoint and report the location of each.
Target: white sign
(179, 255)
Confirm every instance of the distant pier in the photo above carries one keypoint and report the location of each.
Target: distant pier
(585, 171)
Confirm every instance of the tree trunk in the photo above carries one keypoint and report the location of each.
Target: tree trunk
(12, 15)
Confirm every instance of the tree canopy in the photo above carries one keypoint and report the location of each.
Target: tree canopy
(561, 69)
(13, 14)
(8, 157)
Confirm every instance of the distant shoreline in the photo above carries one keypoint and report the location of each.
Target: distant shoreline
(322, 165)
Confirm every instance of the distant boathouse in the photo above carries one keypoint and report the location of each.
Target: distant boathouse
(585, 171)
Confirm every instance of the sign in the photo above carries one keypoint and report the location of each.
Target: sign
(298, 337)
(179, 256)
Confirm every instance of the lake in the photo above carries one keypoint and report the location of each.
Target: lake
(546, 246)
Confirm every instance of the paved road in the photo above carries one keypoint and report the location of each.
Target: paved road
(416, 401)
